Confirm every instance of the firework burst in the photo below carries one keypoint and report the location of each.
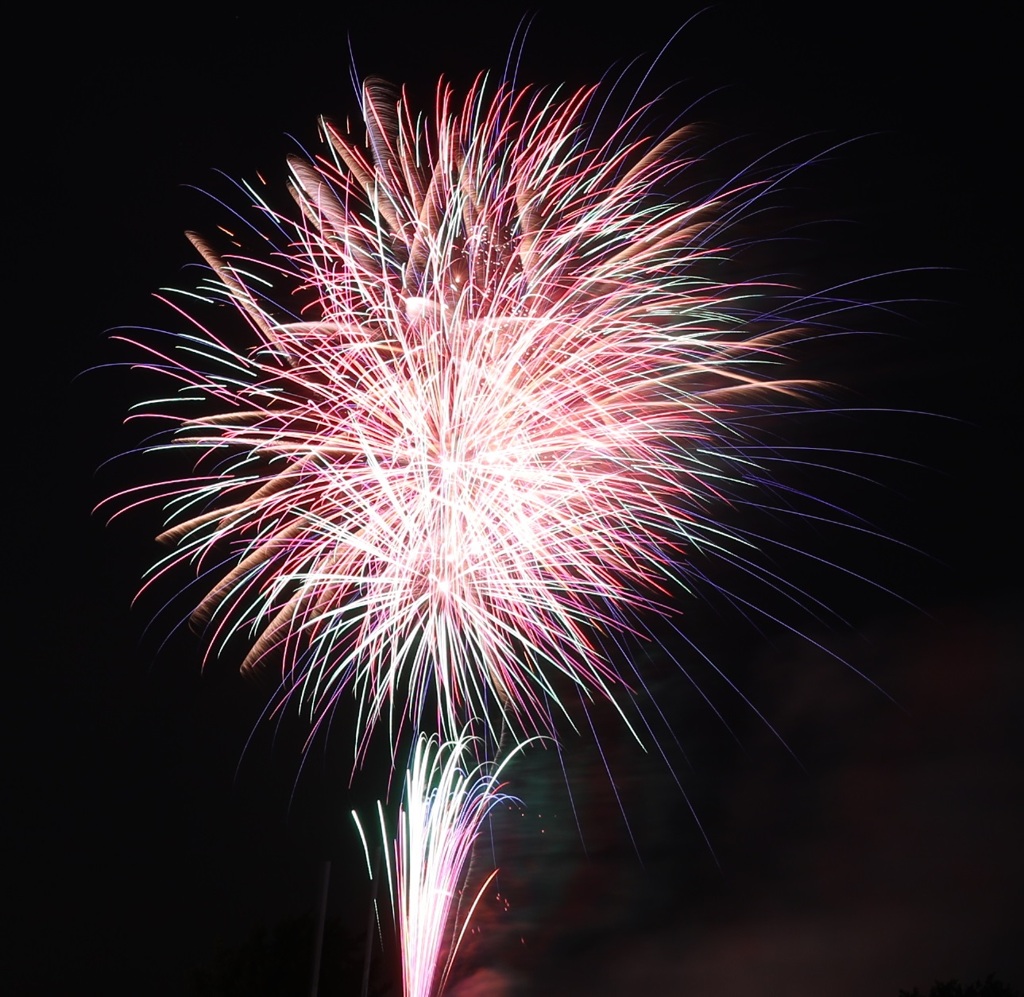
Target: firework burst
(487, 439)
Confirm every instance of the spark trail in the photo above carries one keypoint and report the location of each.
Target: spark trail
(448, 796)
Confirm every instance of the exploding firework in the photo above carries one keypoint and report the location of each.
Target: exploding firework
(492, 431)
(495, 394)
(448, 797)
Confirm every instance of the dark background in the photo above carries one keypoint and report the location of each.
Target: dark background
(151, 817)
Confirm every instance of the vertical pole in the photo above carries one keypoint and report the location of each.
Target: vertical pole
(370, 924)
(318, 945)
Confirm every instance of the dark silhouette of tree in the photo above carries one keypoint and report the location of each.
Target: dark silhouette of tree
(279, 963)
(989, 987)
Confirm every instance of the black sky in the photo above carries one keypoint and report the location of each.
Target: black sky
(145, 826)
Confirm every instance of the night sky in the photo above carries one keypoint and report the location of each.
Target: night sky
(862, 833)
